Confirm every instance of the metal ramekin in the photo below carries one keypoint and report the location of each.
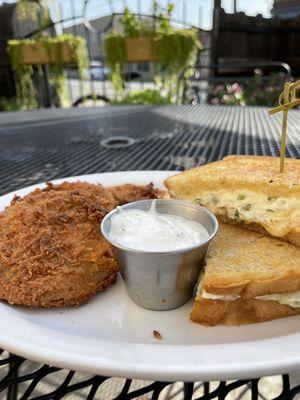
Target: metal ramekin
(163, 280)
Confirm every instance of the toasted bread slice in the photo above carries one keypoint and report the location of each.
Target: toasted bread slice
(292, 237)
(215, 312)
(242, 266)
(248, 191)
(249, 264)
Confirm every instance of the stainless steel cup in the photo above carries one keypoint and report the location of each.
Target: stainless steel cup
(163, 280)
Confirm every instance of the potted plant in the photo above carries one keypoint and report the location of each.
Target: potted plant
(44, 50)
(161, 43)
(138, 40)
(139, 49)
(41, 52)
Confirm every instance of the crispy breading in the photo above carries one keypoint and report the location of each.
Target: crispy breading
(52, 253)
(128, 193)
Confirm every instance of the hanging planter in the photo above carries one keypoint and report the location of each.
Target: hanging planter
(38, 54)
(63, 49)
(140, 49)
(172, 49)
(55, 52)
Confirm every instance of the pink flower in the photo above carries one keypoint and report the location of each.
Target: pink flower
(236, 88)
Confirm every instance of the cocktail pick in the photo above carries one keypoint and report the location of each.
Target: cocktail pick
(287, 100)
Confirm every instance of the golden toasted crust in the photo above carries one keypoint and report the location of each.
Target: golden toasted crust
(216, 312)
(257, 173)
(128, 193)
(249, 264)
(292, 237)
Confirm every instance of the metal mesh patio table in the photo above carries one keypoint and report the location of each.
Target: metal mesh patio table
(43, 145)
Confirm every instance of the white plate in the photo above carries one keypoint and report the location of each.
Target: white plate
(112, 336)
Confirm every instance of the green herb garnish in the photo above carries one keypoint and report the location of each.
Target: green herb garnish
(270, 210)
(241, 197)
(270, 198)
(199, 201)
(215, 199)
(237, 215)
(247, 207)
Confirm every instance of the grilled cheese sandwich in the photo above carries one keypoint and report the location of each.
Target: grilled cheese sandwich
(248, 278)
(248, 191)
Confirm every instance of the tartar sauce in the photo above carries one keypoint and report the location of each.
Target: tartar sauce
(151, 231)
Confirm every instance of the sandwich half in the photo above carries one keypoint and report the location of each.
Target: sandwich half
(247, 191)
(248, 278)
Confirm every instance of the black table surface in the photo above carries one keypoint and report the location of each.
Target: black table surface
(44, 145)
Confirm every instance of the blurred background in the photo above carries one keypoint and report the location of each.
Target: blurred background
(83, 53)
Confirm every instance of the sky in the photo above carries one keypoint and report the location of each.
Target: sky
(196, 12)
(192, 10)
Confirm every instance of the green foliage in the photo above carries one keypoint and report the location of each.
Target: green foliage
(58, 79)
(263, 91)
(115, 53)
(81, 57)
(52, 45)
(25, 90)
(132, 26)
(36, 11)
(10, 104)
(114, 49)
(27, 9)
(116, 79)
(162, 21)
(174, 49)
(147, 96)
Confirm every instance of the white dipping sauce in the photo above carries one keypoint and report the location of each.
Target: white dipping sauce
(151, 231)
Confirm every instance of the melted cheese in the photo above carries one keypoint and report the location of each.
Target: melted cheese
(278, 216)
(212, 296)
(291, 299)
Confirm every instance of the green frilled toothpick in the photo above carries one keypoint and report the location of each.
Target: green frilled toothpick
(287, 100)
